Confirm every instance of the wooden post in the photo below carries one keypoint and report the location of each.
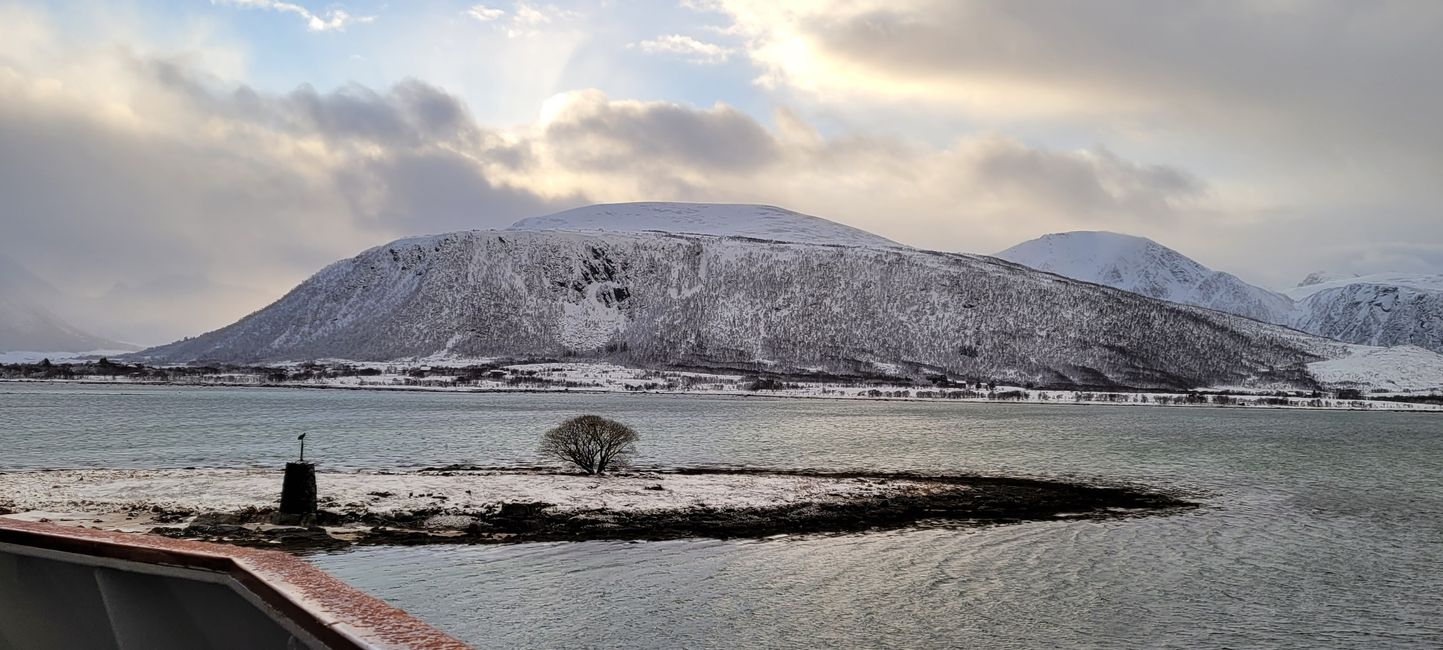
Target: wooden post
(298, 490)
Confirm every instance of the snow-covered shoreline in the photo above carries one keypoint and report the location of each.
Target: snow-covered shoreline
(507, 506)
(605, 378)
(98, 491)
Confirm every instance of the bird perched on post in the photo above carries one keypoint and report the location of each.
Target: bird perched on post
(302, 438)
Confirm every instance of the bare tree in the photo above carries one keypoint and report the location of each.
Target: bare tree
(591, 442)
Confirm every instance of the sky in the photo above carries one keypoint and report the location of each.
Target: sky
(173, 166)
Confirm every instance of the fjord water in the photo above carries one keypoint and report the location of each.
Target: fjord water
(1319, 529)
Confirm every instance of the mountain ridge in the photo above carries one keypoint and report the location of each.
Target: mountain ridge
(749, 297)
(29, 324)
(1143, 266)
(1382, 309)
(704, 301)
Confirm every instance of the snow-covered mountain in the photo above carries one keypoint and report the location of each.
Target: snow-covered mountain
(27, 322)
(1321, 281)
(656, 299)
(721, 219)
(1319, 277)
(1382, 310)
(1143, 266)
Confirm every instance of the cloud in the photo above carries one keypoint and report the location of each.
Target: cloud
(1305, 118)
(528, 19)
(1282, 83)
(535, 15)
(123, 172)
(978, 192)
(688, 48)
(1093, 185)
(585, 130)
(484, 13)
(181, 200)
(334, 19)
(163, 172)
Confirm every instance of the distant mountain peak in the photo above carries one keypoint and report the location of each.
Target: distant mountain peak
(1380, 309)
(27, 322)
(1141, 265)
(715, 219)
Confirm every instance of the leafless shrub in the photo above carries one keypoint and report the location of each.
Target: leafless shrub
(592, 443)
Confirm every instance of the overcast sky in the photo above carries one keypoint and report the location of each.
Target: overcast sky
(181, 164)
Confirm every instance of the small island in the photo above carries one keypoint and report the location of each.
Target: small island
(599, 499)
(469, 505)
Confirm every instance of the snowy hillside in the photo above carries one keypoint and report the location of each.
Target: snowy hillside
(1403, 368)
(28, 324)
(1143, 266)
(671, 301)
(1318, 282)
(721, 219)
(25, 327)
(1383, 310)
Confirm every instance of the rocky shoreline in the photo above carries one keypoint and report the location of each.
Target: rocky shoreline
(654, 505)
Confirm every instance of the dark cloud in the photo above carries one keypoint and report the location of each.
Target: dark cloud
(410, 113)
(440, 191)
(593, 132)
(240, 193)
(1296, 79)
(1091, 184)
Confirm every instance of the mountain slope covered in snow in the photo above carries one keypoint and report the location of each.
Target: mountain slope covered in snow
(721, 219)
(27, 323)
(688, 301)
(1320, 281)
(1381, 310)
(1143, 266)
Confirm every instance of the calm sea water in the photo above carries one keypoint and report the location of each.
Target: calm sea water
(1322, 529)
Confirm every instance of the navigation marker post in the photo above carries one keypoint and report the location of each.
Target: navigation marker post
(298, 488)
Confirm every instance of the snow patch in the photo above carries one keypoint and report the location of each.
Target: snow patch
(1403, 368)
